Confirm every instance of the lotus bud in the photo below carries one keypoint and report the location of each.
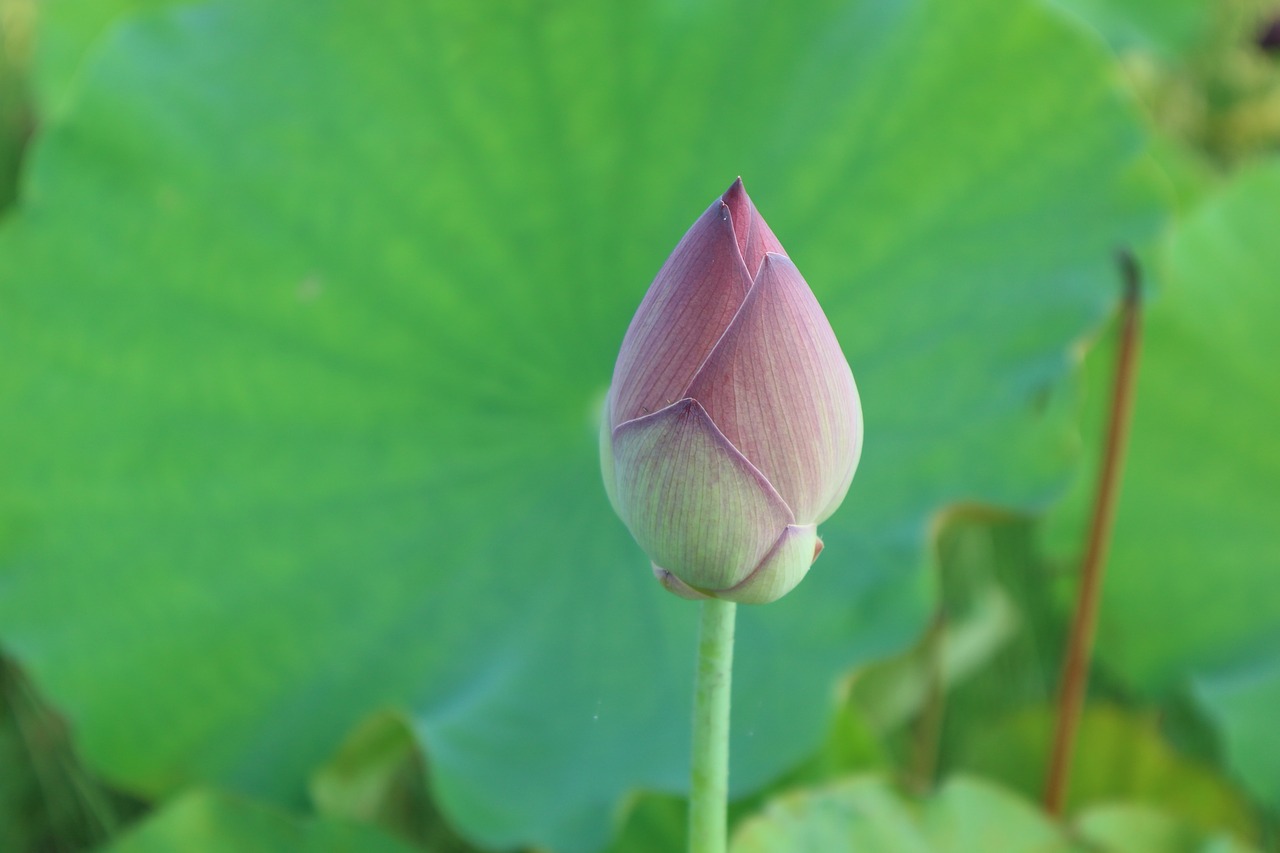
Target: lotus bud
(732, 427)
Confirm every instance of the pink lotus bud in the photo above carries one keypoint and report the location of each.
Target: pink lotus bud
(733, 427)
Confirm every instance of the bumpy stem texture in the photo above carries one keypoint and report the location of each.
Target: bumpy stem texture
(709, 792)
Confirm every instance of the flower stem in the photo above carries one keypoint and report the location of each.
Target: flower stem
(709, 791)
(1075, 671)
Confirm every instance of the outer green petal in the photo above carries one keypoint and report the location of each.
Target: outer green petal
(781, 569)
(677, 586)
(606, 456)
(693, 502)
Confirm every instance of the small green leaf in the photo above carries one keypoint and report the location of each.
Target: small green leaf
(1127, 828)
(866, 814)
(652, 822)
(378, 776)
(1244, 704)
(1119, 757)
(890, 692)
(358, 780)
(207, 822)
(47, 799)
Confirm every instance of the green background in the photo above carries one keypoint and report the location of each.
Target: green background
(307, 311)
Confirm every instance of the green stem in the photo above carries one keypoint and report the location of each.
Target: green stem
(709, 792)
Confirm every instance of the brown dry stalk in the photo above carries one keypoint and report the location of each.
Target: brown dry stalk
(1075, 671)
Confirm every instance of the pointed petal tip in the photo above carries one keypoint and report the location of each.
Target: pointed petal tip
(742, 215)
(690, 302)
(737, 200)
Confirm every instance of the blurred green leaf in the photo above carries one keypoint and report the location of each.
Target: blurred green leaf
(1120, 757)
(653, 822)
(1024, 670)
(16, 119)
(68, 32)
(890, 692)
(659, 821)
(996, 602)
(966, 814)
(1126, 828)
(851, 745)
(1243, 704)
(864, 813)
(378, 777)
(1170, 27)
(48, 802)
(1190, 590)
(1194, 544)
(1191, 178)
(310, 307)
(207, 822)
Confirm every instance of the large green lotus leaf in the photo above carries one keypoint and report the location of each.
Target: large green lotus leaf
(1195, 555)
(310, 306)
(207, 822)
(864, 813)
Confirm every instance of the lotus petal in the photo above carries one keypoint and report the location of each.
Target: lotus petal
(693, 503)
(755, 238)
(783, 567)
(693, 299)
(606, 456)
(674, 584)
(779, 388)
